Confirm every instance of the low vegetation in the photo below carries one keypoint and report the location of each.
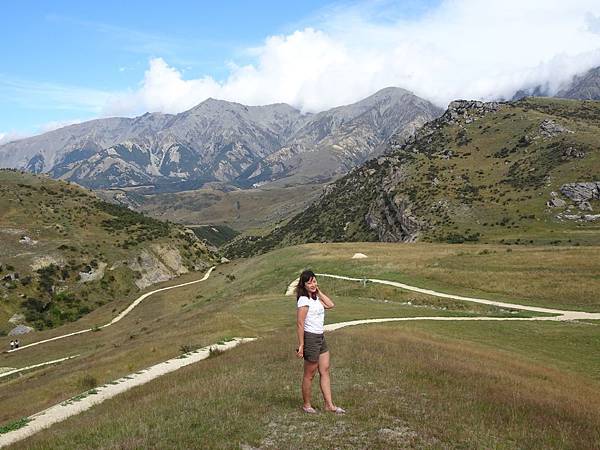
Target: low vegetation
(65, 252)
(419, 384)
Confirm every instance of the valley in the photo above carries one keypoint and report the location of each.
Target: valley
(476, 296)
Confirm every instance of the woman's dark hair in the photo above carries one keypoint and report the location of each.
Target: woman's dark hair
(301, 288)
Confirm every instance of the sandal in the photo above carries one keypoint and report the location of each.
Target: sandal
(309, 410)
(337, 410)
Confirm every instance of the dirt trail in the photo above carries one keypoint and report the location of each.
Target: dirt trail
(558, 313)
(86, 400)
(22, 369)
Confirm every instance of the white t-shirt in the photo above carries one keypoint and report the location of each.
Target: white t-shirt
(316, 314)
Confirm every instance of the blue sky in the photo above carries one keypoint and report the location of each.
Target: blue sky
(92, 48)
(65, 61)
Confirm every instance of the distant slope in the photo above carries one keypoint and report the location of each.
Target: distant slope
(253, 210)
(216, 235)
(219, 141)
(66, 252)
(524, 172)
(585, 86)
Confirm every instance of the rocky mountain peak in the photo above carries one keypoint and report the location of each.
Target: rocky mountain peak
(218, 140)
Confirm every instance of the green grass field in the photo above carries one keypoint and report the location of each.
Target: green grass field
(414, 384)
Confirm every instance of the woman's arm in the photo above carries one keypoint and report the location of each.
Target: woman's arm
(300, 318)
(327, 303)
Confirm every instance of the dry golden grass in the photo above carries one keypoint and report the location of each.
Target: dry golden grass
(250, 395)
(401, 389)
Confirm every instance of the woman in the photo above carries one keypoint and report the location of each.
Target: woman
(310, 316)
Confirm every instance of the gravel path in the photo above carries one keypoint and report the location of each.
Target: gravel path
(86, 400)
(559, 314)
(22, 369)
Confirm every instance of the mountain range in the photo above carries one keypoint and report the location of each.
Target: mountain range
(221, 141)
(522, 172)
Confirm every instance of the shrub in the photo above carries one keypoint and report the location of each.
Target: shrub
(87, 382)
(187, 348)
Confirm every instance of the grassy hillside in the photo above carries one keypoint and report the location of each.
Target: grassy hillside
(216, 235)
(481, 172)
(417, 385)
(65, 252)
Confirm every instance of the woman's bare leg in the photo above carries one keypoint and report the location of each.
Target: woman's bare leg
(325, 380)
(310, 368)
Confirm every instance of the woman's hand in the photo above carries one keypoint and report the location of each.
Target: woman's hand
(325, 300)
(300, 351)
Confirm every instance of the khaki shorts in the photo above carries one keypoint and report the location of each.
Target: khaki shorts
(314, 345)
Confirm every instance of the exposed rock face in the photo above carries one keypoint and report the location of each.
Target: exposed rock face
(572, 153)
(161, 264)
(581, 192)
(390, 214)
(555, 201)
(333, 142)
(171, 257)
(549, 129)
(392, 219)
(221, 141)
(20, 329)
(583, 87)
(17, 318)
(468, 110)
(94, 274)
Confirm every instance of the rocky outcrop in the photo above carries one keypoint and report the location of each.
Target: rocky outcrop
(549, 129)
(20, 329)
(17, 318)
(580, 217)
(390, 214)
(93, 274)
(171, 257)
(160, 263)
(555, 201)
(26, 240)
(582, 193)
(468, 111)
(572, 153)
(391, 218)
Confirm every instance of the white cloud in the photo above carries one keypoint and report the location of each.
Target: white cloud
(56, 124)
(460, 49)
(10, 136)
